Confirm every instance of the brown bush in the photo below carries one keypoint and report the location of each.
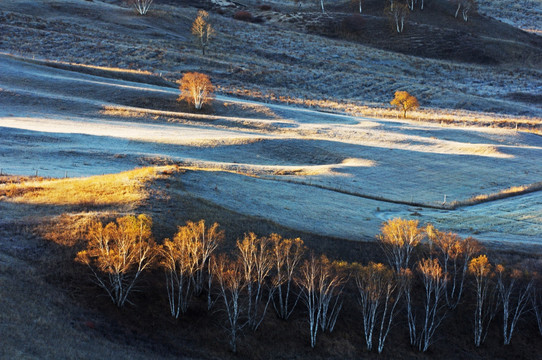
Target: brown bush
(243, 15)
(264, 7)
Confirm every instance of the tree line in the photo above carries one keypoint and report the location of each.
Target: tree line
(426, 276)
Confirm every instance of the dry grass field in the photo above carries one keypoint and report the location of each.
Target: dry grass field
(300, 140)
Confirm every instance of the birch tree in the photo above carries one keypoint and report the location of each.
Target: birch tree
(230, 279)
(379, 295)
(320, 285)
(141, 6)
(118, 253)
(398, 14)
(321, 2)
(358, 4)
(398, 239)
(180, 259)
(256, 260)
(405, 278)
(203, 31)
(486, 306)
(455, 254)
(196, 88)
(434, 282)
(464, 6)
(514, 292)
(286, 255)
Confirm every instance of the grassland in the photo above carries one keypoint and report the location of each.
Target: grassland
(300, 140)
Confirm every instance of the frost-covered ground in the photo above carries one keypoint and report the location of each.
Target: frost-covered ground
(268, 58)
(524, 14)
(302, 168)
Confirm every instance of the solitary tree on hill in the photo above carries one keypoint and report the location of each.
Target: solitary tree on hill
(404, 101)
(202, 30)
(196, 88)
(141, 6)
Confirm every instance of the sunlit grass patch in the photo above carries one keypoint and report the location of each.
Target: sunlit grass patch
(111, 189)
(511, 191)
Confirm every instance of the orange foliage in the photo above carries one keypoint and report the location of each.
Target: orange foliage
(404, 101)
(196, 88)
(480, 266)
(121, 250)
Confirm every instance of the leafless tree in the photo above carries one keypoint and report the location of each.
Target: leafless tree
(230, 279)
(405, 278)
(141, 6)
(398, 239)
(398, 14)
(514, 292)
(455, 254)
(118, 253)
(256, 259)
(486, 306)
(358, 2)
(322, 5)
(465, 6)
(286, 254)
(320, 285)
(379, 295)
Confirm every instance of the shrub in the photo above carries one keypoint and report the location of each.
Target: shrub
(264, 7)
(243, 15)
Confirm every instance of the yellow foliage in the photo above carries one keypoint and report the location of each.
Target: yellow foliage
(480, 266)
(196, 88)
(430, 268)
(119, 246)
(202, 30)
(404, 102)
(400, 233)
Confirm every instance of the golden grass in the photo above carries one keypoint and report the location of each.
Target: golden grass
(508, 192)
(112, 189)
(449, 117)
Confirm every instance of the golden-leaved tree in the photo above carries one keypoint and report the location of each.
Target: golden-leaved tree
(118, 253)
(404, 102)
(196, 88)
(202, 30)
